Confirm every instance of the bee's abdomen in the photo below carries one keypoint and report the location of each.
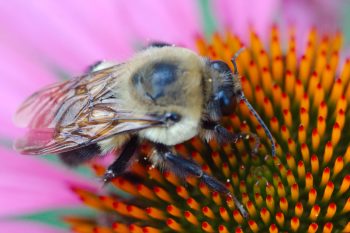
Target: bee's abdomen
(81, 155)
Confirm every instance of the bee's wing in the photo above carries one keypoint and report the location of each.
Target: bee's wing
(48, 141)
(77, 113)
(45, 108)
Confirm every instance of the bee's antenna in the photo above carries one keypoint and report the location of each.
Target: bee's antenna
(233, 60)
(250, 107)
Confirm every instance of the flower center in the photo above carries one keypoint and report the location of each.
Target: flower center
(305, 188)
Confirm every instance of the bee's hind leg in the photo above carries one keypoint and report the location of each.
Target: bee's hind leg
(120, 165)
(183, 167)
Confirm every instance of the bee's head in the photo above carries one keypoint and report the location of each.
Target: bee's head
(223, 89)
(226, 90)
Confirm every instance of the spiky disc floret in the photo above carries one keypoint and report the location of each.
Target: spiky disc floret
(305, 188)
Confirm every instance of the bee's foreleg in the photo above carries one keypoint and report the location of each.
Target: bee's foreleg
(184, 167)
(223, 135)
(123, 161)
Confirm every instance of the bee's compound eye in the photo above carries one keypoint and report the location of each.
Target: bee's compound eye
(223, 98)
(172, 116)
(220, 66)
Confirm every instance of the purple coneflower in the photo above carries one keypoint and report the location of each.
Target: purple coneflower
(302, 97)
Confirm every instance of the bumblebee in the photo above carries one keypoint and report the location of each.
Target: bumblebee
(165, 95)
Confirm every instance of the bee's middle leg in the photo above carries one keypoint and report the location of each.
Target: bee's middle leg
(183, 167)
(223, 135)
(123, 161)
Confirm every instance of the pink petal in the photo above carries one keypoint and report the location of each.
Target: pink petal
(62, 33)
(20, 75)
(27, 227)
(170, 21)
(72, 34)
(240, 15)
(323, 15)
(28, 185)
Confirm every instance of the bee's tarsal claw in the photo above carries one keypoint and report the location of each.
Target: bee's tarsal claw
(108, 176)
